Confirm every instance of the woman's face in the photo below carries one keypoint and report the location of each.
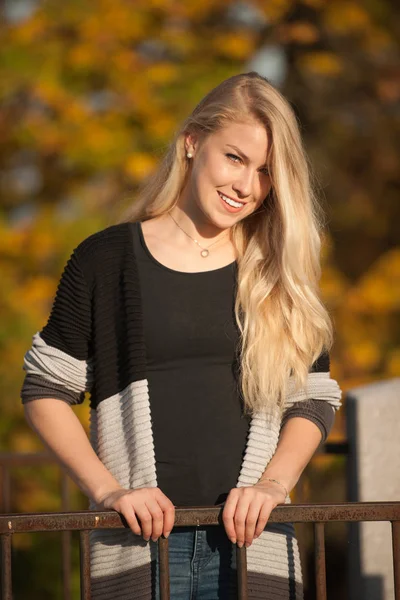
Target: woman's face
(230, 163)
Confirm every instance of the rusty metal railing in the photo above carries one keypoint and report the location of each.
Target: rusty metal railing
(10, 461)
(84, 521)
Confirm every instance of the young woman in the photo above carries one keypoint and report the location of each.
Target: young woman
(196, 325)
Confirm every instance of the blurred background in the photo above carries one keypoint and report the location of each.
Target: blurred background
(91, 92)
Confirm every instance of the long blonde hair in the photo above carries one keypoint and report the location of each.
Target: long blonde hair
(283, 323)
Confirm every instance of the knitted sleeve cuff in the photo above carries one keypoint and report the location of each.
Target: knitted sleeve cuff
(319, 412)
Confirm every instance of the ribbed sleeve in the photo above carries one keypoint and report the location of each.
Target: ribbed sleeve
(69, 325)
(320, 412)
(58, 364)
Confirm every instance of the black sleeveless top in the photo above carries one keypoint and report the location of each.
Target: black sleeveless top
(191, 337)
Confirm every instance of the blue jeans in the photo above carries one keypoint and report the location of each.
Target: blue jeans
(202, 564)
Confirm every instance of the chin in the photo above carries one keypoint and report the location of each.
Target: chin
(222, 221)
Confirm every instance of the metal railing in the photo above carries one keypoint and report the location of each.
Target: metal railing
(9, 461)
(318, 514)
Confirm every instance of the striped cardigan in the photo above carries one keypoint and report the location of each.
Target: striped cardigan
(94, 342)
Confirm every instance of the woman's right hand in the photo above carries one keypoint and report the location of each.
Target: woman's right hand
(149, 506)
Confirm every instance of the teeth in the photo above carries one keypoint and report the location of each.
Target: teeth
(231, 202)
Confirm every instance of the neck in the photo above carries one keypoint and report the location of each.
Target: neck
(199, 229)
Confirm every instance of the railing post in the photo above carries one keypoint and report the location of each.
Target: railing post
(65, 540)
(241, 566)
(85, 564)
(320, 566)
(6, 577)
(163, 560)
(396, 557)
(6, 489)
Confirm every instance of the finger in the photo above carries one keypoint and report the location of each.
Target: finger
(157, 516)
(251, 521)
(129, 514)
(146, 521)
(228, 514)
(169, 514)
(239, 519)
(262, 519)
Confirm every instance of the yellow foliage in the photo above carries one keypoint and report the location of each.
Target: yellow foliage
(24, 441)
(161, 127)
(162, 73)
(378, 295)
(37, 496)
(379, 289)
(81, 55)
(45, 134)
(139, 165)
(83, 413)
(44, 247)
(346, 18)
(321, 63)
(124, 23)
(36, 293)
(363, 354)
(393, 363)
(234, 45)
(314, 3)
(354, 300)
(50, 92)
(182, 40)
(378, 43)
(122, 63)
(23, 542)
(12, 242)
(301, 32)
(333, 285)
(29, 31)
(75, 111)
(274, 9)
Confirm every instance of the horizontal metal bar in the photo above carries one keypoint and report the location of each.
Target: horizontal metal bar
(289, 513)
(335, 448)
(22, 459)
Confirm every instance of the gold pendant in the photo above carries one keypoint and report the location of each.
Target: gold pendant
(204, 253)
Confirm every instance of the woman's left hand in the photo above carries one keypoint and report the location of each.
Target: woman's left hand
(247, 510)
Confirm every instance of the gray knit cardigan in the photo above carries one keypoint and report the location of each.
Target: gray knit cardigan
(94, 342)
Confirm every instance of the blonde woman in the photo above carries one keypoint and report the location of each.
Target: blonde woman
(197, 326)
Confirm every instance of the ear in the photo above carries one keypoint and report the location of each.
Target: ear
(191, 140)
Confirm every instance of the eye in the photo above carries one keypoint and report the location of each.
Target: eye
(233, 156)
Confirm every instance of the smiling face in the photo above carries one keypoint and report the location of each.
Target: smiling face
(229, 163)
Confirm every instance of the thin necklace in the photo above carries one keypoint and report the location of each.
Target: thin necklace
(204, 251)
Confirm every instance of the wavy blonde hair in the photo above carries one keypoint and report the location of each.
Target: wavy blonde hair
(283, 323)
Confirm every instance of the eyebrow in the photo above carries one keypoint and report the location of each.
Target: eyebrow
(242, 154)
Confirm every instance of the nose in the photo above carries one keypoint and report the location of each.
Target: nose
(243, 183)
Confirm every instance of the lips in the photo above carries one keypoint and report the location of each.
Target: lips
(230, 197)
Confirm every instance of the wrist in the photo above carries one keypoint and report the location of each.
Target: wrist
(277, 482)
(102, 492)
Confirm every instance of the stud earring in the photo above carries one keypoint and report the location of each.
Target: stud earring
(189, 155)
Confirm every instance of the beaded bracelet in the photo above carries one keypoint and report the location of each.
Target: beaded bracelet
(278, 482)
